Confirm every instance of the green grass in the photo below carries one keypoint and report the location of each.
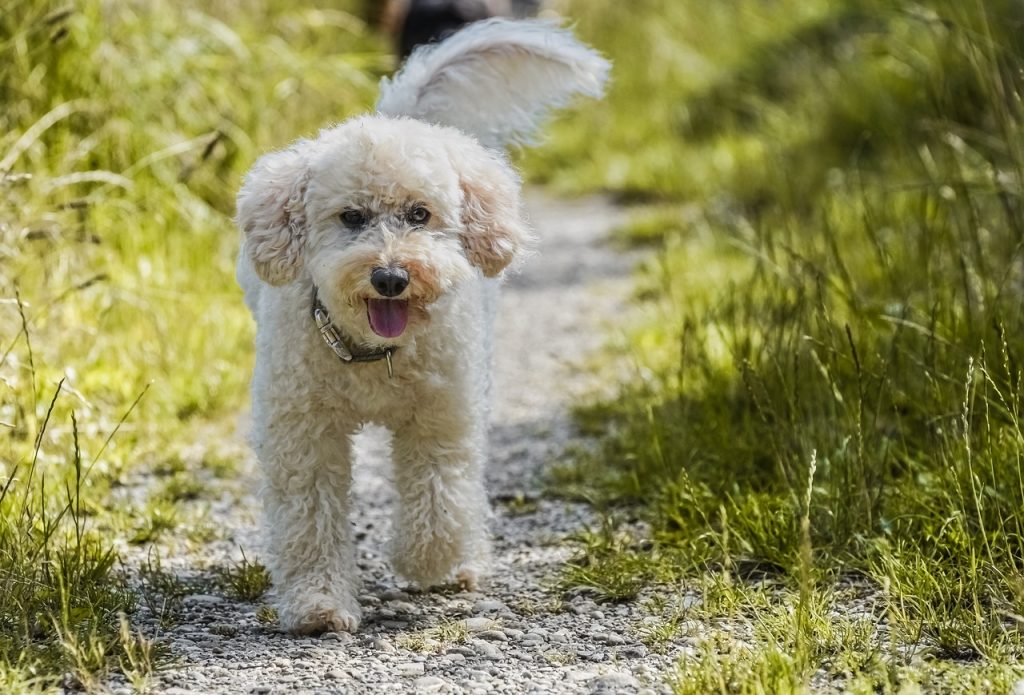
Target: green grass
(835, 200)
(125, 130)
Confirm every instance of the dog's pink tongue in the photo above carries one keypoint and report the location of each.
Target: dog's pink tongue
(387, 316)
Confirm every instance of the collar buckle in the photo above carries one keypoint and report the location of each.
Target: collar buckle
(329, 333)
(333, 337)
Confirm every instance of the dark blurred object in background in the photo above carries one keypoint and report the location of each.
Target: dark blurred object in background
(415, 22)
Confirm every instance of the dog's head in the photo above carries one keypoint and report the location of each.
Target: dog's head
(386, 215)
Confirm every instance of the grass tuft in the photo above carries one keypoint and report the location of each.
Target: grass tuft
(836, 205)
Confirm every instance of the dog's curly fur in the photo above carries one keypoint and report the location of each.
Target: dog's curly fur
(307, 403)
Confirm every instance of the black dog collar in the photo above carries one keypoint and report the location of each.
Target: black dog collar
(332, 335)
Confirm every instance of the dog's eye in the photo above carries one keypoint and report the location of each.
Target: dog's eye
(353, 218)
(419, 215)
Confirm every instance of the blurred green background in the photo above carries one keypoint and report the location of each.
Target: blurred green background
(821, 426)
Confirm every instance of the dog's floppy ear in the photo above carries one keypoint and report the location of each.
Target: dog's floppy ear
(272, 215)
(493, 228)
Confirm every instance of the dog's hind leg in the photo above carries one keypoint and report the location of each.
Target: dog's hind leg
(307, 477)
(441, 524)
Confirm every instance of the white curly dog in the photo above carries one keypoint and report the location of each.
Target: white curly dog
(370, 257)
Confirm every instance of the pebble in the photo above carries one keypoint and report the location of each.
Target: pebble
(494, 635)
(343, 637)
(457, 607)
(609, 638)
(430, 684)
(486, 649)
(639, 651)
(488, 606)
(580, 676)
(461, 651)
(382, 645)
(615, 682)
(394, 595)
(405, 607)
(411, 668)
(477, 624)
(204, 599)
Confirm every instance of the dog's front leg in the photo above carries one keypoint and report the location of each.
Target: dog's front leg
(441, 522)
(307, 477)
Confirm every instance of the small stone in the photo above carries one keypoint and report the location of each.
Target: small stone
(430, 684)
(456, 657)
(343, 637)
(560, 636)
(597, 615)
(639, 651)
(394, 595)
(477, 624)
(457, 607)
(405, 607)
(460, 651)
(382, 645)
(486, 649)
(369, 600)
(609, 638)
(207, 599)
(494, 635)
(615, 682)
(410, 669)
(335, 675)
(580, 676)
(489, 606)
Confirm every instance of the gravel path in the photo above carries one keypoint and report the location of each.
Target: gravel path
(517, 635)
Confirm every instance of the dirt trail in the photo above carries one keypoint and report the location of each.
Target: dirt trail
(516, 635)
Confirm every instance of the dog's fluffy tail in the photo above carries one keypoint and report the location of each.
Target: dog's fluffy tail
(495, 80)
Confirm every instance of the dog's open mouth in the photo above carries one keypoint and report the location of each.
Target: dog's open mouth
(388, 317)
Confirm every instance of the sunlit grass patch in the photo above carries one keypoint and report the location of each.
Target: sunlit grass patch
(244, 580)
(837, 279)
(61, 599)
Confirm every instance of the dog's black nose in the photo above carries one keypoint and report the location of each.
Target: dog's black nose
(389, 282)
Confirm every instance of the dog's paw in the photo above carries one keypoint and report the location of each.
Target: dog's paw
(322, 619)
(468, 579)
